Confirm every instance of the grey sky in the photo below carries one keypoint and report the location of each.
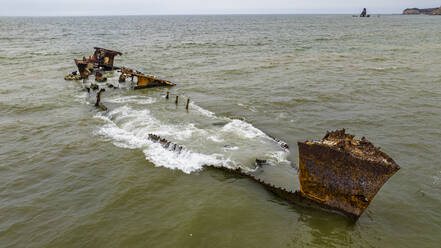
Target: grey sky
(151, 7)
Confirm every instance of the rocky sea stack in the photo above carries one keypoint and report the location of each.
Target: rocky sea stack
(415, 11)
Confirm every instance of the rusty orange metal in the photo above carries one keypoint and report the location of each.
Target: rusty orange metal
(143, 80)
(101, 58)
(83, 68)
(146, 81)
(342, 173)
(104, 57)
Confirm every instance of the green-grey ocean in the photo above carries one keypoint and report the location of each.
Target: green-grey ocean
(74, 176)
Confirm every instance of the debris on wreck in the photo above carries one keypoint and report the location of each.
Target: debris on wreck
(342, 173)
(111, 86)
(94, 86)
(103, 60)
(165, 143)
(73, 76)
(281, 143)
(122, 78)
(84, 68)
(143, 80)
(260, 162)
(99, 77)
(98, 103)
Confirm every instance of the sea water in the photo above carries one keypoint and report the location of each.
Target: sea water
(73, 176)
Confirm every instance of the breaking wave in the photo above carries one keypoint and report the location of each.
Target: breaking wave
(206, 139)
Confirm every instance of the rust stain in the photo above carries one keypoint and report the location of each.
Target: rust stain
(101, 58)
(104, 58)
(343, 173)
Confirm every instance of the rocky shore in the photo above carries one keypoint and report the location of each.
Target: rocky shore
(416, 11)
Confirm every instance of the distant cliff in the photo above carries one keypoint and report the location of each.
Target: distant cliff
(415, 11)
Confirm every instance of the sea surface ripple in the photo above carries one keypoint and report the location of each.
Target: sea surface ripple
(76, 177)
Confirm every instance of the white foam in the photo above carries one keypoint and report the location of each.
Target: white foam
(179, 132)
(252, 109)
(280, 157)
(121, 137)
(229, 146)
(82, 98)
(133, 99)
(133, 134)
(185, 160)
(201, 110)
(215, 138)
(141, 121)
(243, 129)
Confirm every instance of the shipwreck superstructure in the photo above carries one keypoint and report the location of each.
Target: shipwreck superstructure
(103, 60)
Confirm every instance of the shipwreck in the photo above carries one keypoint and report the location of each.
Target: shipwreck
(103, 60)
(337, 173)
(363, 14)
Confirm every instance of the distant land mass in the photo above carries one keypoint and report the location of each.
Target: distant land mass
(415, 11)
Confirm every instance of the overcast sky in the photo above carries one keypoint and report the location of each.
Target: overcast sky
(161, 7)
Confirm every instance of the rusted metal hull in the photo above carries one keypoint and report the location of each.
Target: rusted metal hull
(331, 178)
(148, 82)
(340, 175)
(82, 68)
(145, 81)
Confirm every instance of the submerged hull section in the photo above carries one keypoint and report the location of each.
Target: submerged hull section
(341, 173)
(337, 174)
(145, 81)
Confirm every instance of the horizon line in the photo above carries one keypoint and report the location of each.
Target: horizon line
(192, 14)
